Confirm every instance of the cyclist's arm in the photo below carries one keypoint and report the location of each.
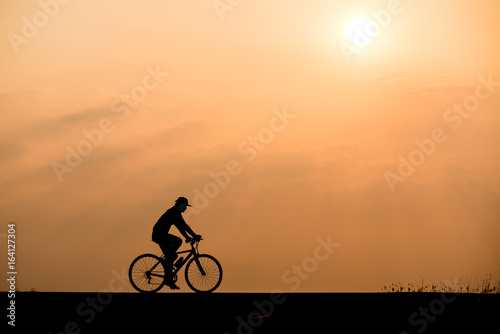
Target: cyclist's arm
(185, 229)
(184, 234)
(188, 230)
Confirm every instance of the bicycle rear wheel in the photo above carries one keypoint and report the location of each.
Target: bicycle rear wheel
(146, 273)
(203, 273)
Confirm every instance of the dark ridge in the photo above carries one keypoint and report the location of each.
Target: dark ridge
(74, 313)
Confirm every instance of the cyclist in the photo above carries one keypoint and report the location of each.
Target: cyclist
(169, 243)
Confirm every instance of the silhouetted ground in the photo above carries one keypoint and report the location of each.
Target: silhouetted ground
(72, 313)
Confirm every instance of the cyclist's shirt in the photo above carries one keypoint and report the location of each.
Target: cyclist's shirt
(171, 217)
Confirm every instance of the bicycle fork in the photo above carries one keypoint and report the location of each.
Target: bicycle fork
(200, 267)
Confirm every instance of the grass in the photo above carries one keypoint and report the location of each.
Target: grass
(459, 285)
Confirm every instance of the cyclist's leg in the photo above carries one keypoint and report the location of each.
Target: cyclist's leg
(173, 245)
(164, 246)
(175, 242)
(167, 262)
(169, 246)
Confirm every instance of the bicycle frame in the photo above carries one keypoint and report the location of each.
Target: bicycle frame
(192, 252)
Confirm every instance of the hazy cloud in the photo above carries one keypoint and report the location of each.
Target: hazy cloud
(11, 150)
(92, 115)
(443, 84)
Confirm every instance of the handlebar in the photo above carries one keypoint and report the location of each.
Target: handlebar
(193, 240)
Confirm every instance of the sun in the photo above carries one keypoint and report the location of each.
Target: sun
(354, 27)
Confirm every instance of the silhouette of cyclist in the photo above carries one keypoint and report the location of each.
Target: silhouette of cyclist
(169, 243)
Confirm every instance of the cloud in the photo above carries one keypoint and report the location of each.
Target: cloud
(7, 96)
(394, 78)
(443, 90)
(184, 132)
(398, 77)
(333, 166)
(242, 96)
(11, 150)
(92, 115)
(440, 84)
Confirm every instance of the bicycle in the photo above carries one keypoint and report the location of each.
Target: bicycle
(203, 273)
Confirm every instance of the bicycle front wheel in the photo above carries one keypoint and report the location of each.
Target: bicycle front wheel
(203, 273)
(146, 273)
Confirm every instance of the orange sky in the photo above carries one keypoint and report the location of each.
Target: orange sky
(171, 92)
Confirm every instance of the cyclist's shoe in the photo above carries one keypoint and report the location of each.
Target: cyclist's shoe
(173, 286)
